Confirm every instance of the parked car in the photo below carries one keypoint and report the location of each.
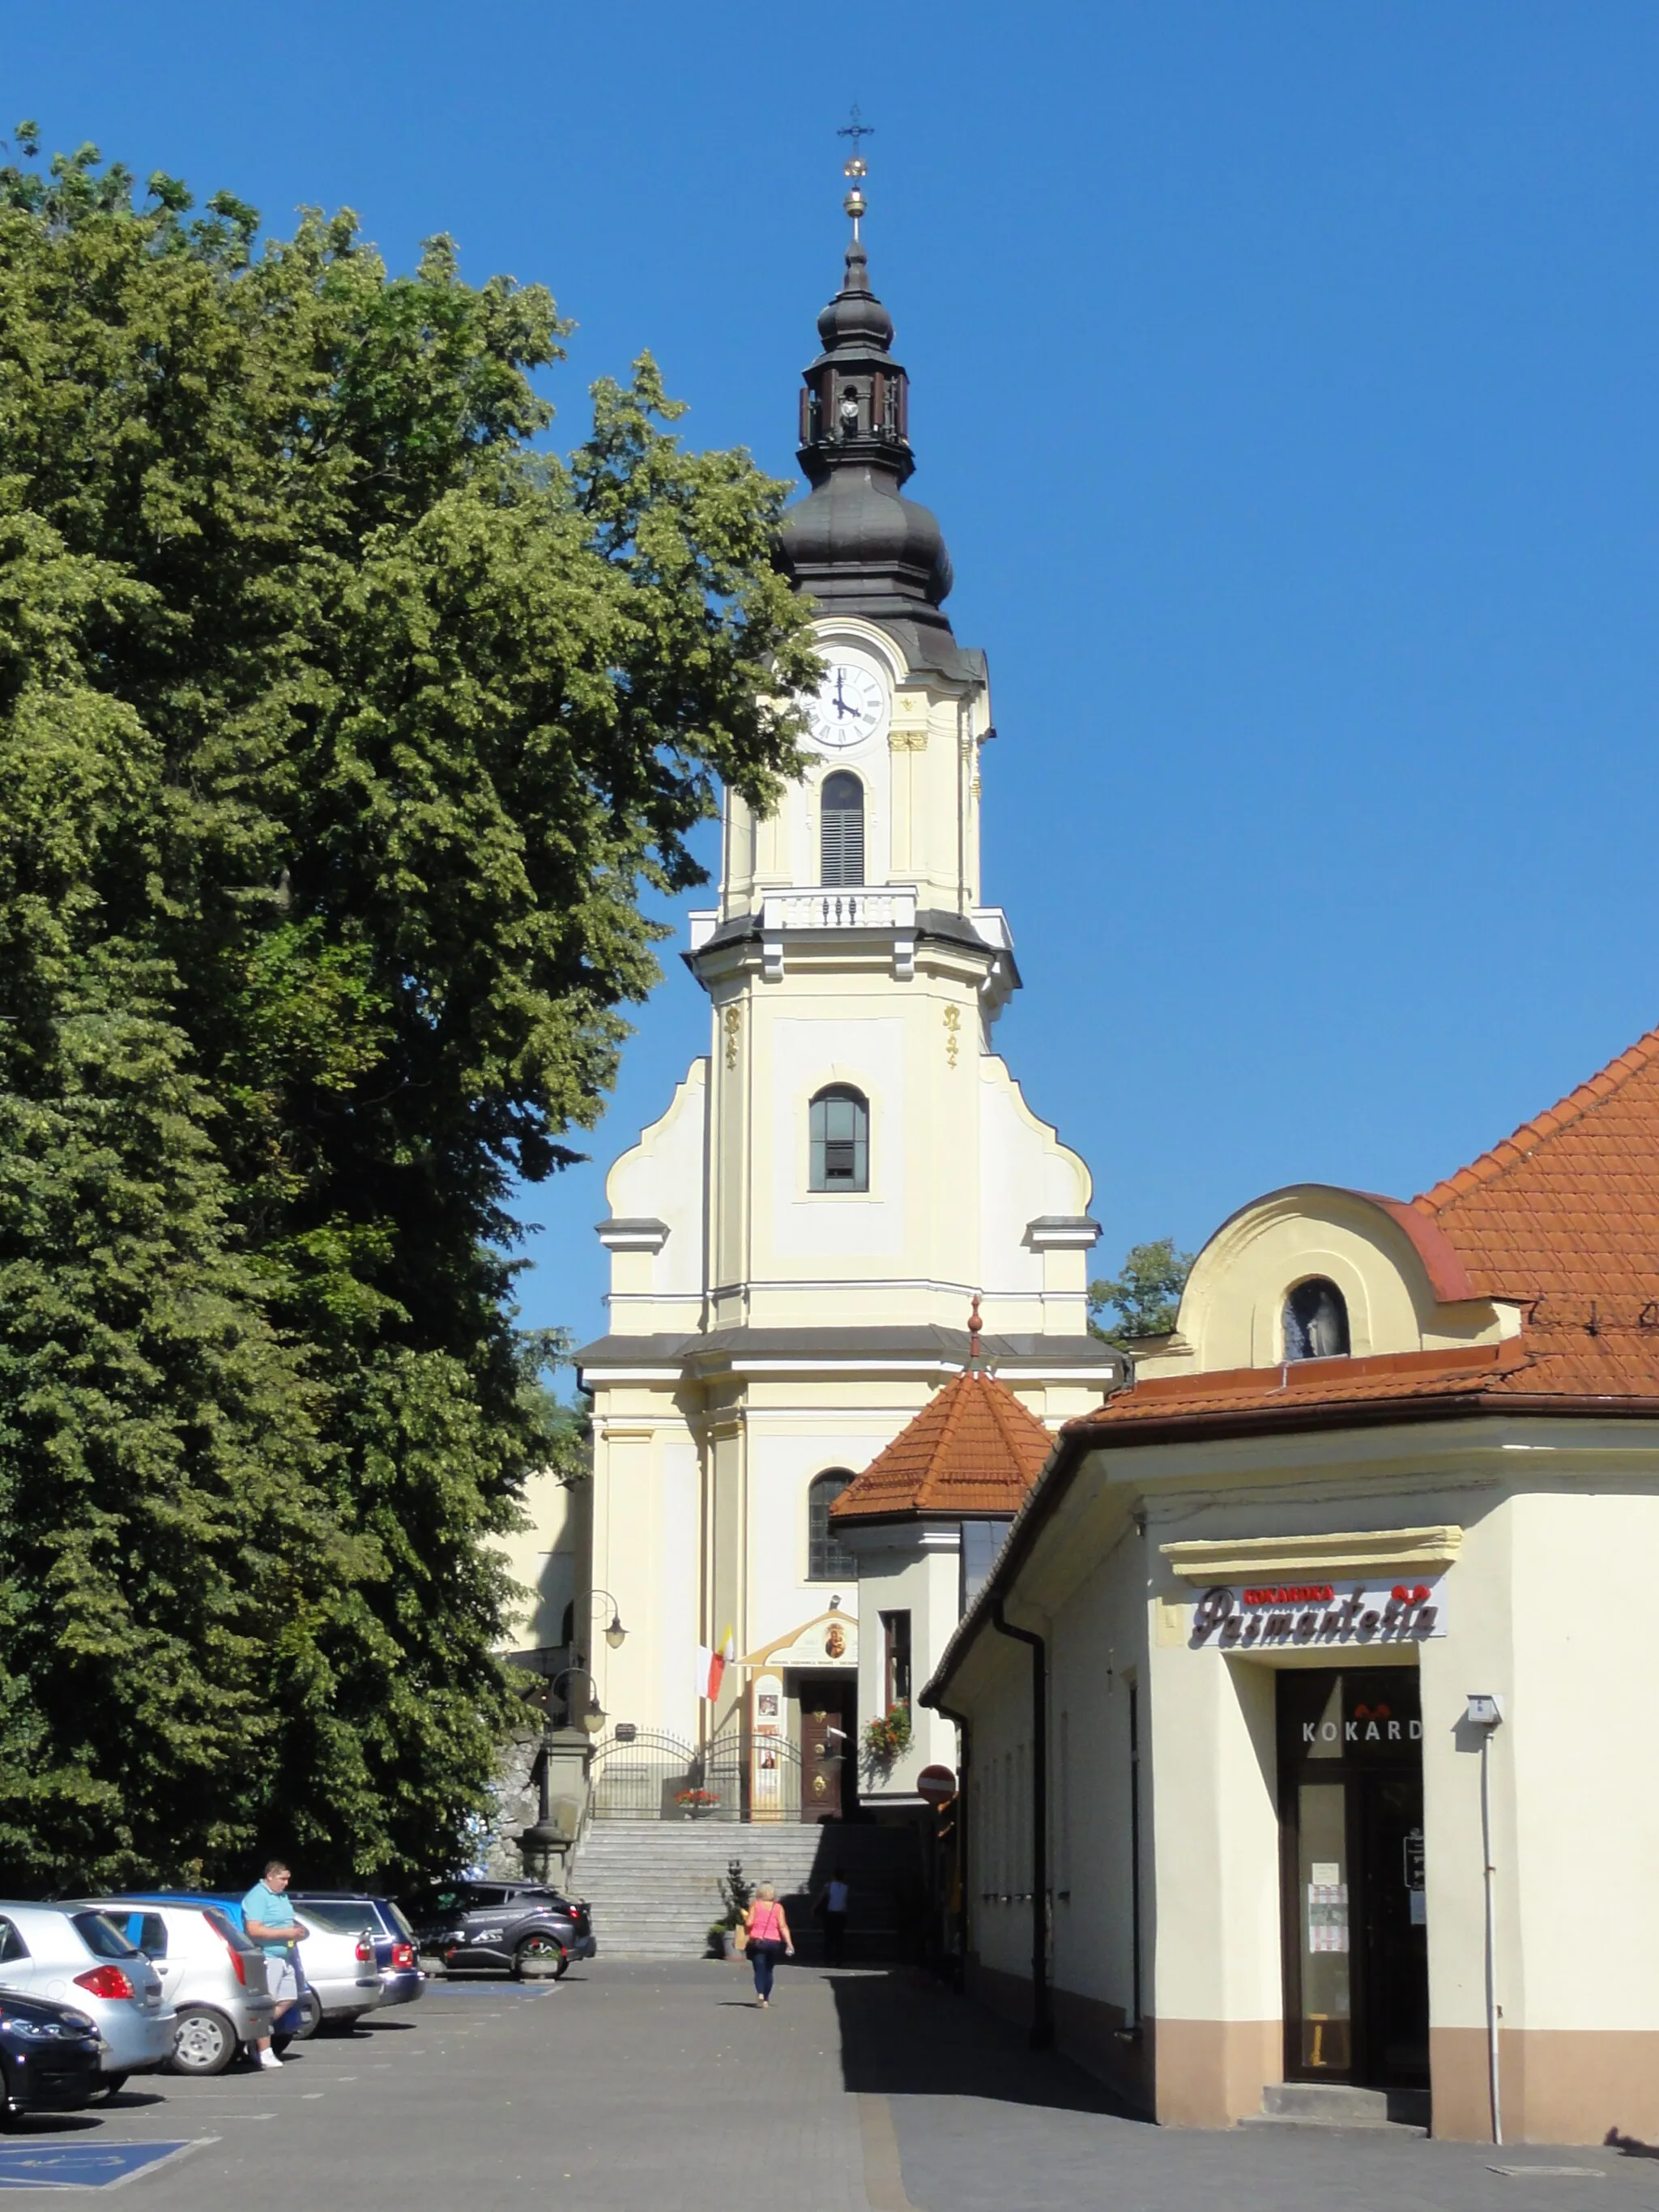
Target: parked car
(526, 1927)
(213, 1972)
(49, 2056)
(342, 1980)
(70, 1954)
(395, 1950)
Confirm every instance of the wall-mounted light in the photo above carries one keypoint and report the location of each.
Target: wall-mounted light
(615, 1633)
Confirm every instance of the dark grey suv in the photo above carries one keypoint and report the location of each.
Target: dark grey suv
(525, 1927)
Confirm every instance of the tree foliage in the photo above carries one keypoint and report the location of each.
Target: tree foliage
(1144, 1298)
(342, 726)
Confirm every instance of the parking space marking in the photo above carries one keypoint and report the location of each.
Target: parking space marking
(87, 2165)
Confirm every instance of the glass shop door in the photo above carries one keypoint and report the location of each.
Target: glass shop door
(1354, 1920)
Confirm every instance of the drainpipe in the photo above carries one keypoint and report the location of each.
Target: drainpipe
(964, 1738)
(1484, 1712)
(1042, 2022)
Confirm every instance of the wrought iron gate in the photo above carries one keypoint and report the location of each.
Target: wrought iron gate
(752, 1777)
(641, 1776)
(652, 1776)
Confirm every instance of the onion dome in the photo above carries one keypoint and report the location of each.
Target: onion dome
(856, 544)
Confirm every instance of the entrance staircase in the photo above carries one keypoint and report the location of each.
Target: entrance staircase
(1339, 2105)
(653, 1886)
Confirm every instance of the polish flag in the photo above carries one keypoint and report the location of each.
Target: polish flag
(712, 1666)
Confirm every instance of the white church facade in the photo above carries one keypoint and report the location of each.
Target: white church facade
(796, 1243)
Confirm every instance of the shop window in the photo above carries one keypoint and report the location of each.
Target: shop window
(895, 1658)
(826, 1561)
(1316, 1320)
(840, 830)
(840, 1139)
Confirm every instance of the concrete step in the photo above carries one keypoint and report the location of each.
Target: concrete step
(1340, 2104)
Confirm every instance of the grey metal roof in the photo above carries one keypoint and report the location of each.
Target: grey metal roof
(936, 921)
(719, 1347)
(855, 543)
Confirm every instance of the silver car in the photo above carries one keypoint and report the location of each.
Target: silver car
(72, 1955)
(338, 1963)
(214, 1975)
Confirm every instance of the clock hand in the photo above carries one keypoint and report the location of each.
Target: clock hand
(842, 707)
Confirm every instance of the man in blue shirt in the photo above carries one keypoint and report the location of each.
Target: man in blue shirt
(270, 1920)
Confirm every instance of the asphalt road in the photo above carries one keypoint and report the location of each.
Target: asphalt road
(635, 2089)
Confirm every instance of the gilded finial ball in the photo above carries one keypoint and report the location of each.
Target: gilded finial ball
(858, 166)
(854, 204)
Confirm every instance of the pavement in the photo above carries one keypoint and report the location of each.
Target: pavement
(639, 2087)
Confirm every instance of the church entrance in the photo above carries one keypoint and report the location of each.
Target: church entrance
(1354, 1905)
(829, 1747)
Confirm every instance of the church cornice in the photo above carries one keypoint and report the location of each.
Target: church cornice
(883, 926)
(928, 1349)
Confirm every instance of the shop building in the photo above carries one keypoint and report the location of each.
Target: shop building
(1304, 1708)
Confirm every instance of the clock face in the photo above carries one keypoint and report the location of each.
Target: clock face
(849, 705)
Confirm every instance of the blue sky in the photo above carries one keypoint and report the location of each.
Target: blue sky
(1286, 377)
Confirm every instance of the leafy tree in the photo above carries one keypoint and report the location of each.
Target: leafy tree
(1145, 1297)
(342, 725)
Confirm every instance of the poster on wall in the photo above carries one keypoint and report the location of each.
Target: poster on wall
(766, 1753)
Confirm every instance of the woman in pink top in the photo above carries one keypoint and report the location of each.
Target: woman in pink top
(768, 1931)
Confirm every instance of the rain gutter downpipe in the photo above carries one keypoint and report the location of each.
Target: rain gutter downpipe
(1042, 2020)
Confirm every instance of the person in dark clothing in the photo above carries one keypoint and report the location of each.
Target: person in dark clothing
(837, 1897)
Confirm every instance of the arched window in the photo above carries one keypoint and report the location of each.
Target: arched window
(1316, 1320)
(840, 1139)
(826, 1562)
(841, 832)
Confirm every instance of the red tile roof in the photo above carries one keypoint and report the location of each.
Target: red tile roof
(972, 1449)
(1562, 1219)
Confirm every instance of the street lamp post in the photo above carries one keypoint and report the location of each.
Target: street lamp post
(615, 1632)
(544, 1836)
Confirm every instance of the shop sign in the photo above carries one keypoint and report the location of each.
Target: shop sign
(1277, 1616)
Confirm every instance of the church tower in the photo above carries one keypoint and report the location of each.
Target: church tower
(795, 1244)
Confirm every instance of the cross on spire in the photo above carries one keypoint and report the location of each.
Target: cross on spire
(855, 167)
(856, 129)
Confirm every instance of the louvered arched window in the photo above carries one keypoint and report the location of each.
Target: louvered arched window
(840, 830)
